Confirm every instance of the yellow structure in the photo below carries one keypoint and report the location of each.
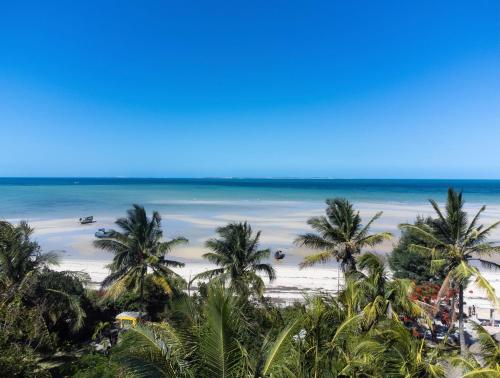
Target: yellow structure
(128, 318)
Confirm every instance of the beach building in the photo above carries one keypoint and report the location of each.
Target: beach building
(128, 319)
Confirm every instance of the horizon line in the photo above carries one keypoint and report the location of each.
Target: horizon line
(244, 178)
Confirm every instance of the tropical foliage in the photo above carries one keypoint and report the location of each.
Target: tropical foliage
(485, 360)
(20, 257)
(340, 235)
(39, 307)
(326, 337)
(137, 249)
(376, 325)
(452, 243)
(405, 262)
(238, 257)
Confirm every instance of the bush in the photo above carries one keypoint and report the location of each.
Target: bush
(413, 265)
(17, 360)
(96, 366)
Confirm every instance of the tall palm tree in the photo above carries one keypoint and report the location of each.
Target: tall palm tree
(137, 249)
(238, 257)
(453, 243)
(340, 236)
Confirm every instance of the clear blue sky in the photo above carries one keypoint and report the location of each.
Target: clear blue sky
(389, 89)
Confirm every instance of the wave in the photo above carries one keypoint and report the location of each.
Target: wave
(227, 202)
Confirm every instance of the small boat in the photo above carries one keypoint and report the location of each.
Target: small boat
(102, 233)
(279, 255)
(87, 220)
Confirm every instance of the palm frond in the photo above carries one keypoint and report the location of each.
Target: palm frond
(314, 241)
(208, 274)
(346, 326)
(373, 240)
(485, 232)
(484, 284)
(48, 258)
(161, 281)
(483, 373)
(267, 269)
(169, 245)
(74, 306)
(473, 223)
(366, 228)
(317, 258)
(490, 348)
(463, 271)
(275, 352)
(153, 350)
(487, 264)
(320, 224)
(221, 354)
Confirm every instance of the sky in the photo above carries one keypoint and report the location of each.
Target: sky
(341, 89)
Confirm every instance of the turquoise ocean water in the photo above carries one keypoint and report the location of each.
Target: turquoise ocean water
(49, 197)
(194, 207)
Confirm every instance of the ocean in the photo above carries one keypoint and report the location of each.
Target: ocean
(194, 208)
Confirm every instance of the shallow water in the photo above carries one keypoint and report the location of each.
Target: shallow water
(195, 207)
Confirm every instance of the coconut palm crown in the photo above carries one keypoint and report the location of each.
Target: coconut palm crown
(238, 257)
(340, 235)
(20, 256)
(137, 249)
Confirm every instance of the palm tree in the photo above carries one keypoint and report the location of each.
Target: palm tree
(405, 356)
(34, 300)
(238, 257)
(381, 297)
(453, 242)
(206, 347)
(341, 337)
(20, 256)
(340, 236)
(137, 249)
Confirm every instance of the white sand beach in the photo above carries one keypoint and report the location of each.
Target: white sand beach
(293, 284)
(280, 222)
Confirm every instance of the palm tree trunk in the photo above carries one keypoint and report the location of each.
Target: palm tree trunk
(351, 265)
(461, 319)
(141, 311)
(452, 314)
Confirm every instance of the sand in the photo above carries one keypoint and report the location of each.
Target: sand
(279, 227)
(292, 283)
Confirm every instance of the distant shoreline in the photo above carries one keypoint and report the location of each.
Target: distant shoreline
(250, 178)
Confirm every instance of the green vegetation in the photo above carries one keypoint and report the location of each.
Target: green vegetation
(38, 306)
(53, 324)
(239, 258)
(341, 235)
(139, 248)
(408, 263)
(452, 242)
(349, 335)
